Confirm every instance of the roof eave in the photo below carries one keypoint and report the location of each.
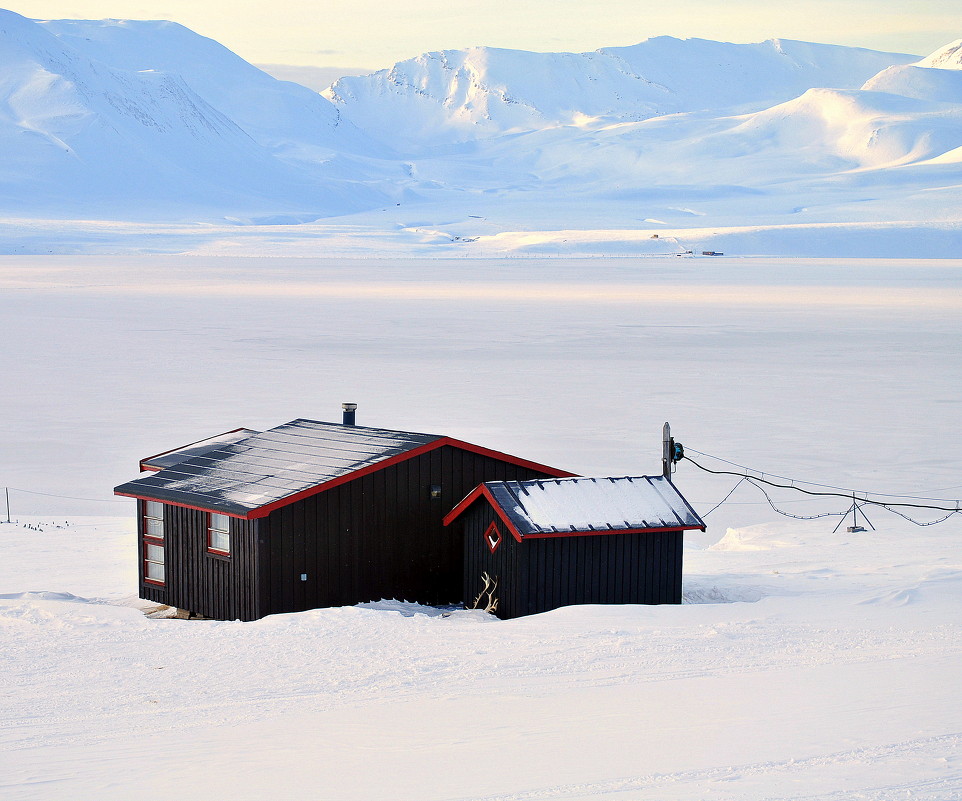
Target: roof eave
(257, 512)
(230, 511)
(541, 535)
(478, 492)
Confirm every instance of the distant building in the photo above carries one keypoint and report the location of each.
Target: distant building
(531, 546)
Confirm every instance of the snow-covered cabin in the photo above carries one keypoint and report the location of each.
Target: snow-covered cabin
(535, 545)
(308, 514)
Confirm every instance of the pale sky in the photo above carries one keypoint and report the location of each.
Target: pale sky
(372, 34)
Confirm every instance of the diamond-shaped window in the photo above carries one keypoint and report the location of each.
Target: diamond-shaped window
(492, 536)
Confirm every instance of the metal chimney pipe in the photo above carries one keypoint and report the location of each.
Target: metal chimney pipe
(348, 413)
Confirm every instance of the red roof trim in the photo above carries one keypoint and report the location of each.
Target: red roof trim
(440, 442)
(482, 490)
(469, 500)
(263, 511)
(463, 504)
(144, 468)
(552, 472)
(181, 505)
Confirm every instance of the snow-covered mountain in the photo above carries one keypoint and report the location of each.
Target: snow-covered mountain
(147, 120)
(286, 117)
(139, 119)
(822, 157)
(460, 95)
(936, 78)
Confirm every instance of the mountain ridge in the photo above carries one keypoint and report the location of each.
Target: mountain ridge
(120, 140)
(452, 96)
(116, 120)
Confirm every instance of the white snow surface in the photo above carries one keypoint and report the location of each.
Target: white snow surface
(140, 137)
(805, 664)
(581, 504)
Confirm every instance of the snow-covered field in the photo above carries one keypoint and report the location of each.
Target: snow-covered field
(806, 665)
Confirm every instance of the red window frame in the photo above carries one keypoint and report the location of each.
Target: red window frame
(211, 529)
(153, 540)
(493, 536)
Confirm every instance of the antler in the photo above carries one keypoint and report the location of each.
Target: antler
(490, 585)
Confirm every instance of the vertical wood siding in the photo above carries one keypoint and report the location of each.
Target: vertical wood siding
(149, 592)
(379, 536)
(542, 574)
(213, 586)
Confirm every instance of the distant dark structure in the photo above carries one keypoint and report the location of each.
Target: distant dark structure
(531, 546)
(308, 514)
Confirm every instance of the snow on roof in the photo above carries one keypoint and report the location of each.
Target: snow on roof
(170, 458)
(543, 507)
(268, 466)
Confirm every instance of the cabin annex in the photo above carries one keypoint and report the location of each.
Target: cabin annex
(535, 545)
(308, 514)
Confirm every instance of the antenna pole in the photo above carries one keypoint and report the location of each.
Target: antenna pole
(666, 449)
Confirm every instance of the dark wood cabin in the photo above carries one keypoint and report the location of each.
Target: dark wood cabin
(308, 514)
(535, 545)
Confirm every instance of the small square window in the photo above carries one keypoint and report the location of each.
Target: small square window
(153, 542)
(492, 536)
(218, 534)
(154, 520)
(154, 571)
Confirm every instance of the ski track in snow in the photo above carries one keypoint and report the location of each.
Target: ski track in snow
(678, 785)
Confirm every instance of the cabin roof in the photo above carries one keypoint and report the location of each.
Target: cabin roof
(566, 506)
(169, 458)
(252, 476)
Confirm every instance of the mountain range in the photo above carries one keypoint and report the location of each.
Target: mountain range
(148, 121)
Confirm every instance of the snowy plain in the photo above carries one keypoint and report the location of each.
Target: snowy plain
(806, 664)
(481, 244)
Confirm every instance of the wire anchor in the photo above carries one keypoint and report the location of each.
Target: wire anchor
(854, 509)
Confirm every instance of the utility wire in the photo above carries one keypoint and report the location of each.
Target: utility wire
(848, 494)
(68, 497)
(771, 503)
(789, 514)
(793, 481)
(741, 481)
(919, 522)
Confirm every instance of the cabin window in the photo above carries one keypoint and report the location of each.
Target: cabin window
(154, 542)
(218, 534)
(154, 520)
(492, 536)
